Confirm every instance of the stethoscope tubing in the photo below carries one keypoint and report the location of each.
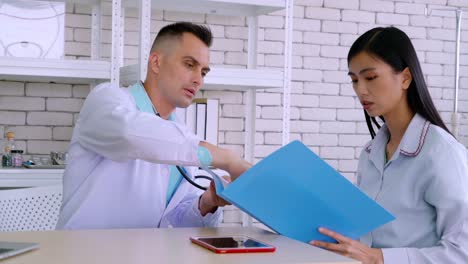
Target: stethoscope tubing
(187, 178)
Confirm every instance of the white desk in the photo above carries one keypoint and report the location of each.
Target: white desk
(138, 246)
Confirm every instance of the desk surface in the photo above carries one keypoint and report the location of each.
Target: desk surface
(159, 246)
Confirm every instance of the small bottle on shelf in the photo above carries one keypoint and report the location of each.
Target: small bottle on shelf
(9, 146)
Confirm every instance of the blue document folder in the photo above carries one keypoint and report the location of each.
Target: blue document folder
(294, 192)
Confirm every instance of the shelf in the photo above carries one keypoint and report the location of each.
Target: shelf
(53, 70)
(223, 78)
(81, 2)
(218, 7)
(13, 178)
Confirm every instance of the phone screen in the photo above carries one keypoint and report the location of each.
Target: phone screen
(232, 242)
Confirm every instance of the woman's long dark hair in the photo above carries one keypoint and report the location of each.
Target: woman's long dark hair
(394, 47)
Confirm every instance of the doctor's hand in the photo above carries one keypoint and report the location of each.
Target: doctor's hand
(350, 248)
(210, 201)
(237, 167)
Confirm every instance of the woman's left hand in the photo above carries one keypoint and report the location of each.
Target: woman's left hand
(350, 248)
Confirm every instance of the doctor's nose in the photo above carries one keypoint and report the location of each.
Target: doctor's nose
(197, 80)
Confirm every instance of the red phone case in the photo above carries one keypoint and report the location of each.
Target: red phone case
(270, 248)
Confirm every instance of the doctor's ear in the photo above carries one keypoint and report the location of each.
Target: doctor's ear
(154, 62)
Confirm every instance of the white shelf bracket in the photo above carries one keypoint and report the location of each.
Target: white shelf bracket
(145, 41)
(288, 31)
(117, 43)
(95, 35)
(96, 32)
(250, 102)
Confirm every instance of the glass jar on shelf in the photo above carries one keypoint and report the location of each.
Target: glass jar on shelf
(9, 146)
(17, 158)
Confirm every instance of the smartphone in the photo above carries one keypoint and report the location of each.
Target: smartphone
(232, 244)
(9, 249)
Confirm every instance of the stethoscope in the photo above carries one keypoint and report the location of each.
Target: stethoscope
(183, 172)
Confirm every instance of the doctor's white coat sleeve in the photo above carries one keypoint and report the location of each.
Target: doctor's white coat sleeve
(111, 125)
(448, 193)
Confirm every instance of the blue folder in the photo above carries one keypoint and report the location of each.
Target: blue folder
(294, 192)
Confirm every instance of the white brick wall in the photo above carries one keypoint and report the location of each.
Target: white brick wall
(377, 5)
(320, 139)
(409, 8)
(339, 27)
(358, 16)
(337, 152)
(12, 88)
(49, 118)
(392, 19)
(21, 103)
(349, 4)
(12, 118)
(325, 114)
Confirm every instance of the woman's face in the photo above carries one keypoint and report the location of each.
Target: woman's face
(379, 88)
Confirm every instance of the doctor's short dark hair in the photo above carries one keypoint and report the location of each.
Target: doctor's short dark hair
(176, 30)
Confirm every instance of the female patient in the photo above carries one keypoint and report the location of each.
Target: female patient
(413, 166)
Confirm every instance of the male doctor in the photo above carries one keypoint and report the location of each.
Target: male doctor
(126, 141)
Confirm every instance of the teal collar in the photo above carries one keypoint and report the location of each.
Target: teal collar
(142, 100)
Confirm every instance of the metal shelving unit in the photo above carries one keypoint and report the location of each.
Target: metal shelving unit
(95, 70)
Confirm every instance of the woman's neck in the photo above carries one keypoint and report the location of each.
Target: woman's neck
(397, 123)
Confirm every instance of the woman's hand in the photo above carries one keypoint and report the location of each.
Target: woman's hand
(350, 248)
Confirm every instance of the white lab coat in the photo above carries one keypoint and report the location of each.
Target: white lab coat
(118, 172)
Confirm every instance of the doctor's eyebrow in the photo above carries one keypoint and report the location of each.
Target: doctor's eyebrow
(204, 69)
(362, 71)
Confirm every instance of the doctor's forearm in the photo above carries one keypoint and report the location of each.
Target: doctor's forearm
(226, 160)
(220, 157)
